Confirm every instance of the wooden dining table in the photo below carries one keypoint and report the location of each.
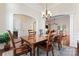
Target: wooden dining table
(34, 43)
(37, 41)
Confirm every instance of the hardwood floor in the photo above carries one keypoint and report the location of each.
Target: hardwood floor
(3, 51)
(64, 51)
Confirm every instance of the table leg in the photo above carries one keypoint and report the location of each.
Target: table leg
(33, 51)
(37, 51)
(59, 46)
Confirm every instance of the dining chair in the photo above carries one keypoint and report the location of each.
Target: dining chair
(31, 34)
(31, 37)
(22, 49)
(46, 46)
(58, 39)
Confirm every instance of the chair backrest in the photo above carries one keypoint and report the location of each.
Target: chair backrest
(27, 43)
(31, 32)
(49, 40)
(31, 35)
(60, 36)
(11, 38)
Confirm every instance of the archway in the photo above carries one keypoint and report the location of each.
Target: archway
(22, 23)
(62, 22)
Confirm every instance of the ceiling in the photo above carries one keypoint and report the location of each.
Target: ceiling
(41, 6)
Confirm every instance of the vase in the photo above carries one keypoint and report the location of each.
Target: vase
(7, 46)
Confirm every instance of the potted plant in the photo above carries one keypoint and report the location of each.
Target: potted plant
(4, 38)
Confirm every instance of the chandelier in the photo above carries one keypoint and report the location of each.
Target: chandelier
(46, 14)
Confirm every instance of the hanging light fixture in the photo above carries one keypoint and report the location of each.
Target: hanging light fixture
(46, 14)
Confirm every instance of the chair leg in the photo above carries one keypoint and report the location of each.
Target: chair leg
(47, 53)
(54, 44)
(26, 53)
(37, 51)
(52, 51)
(59, 46)
(30, 53)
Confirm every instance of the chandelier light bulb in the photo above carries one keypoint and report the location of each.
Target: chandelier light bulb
(46, 13)
(43, 13)
(50, 14)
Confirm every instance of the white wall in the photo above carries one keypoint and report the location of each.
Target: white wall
(72, 10)
(2, 17)
(68, 9)
(75, 33)
(24, 9)
(61, 9)
(63, 20)
(23, 23)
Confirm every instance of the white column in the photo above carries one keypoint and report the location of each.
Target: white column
(9, 16)
(74, 29)
(71, 31)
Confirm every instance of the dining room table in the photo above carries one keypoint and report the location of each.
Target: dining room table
(34, 43)
(38, 39)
